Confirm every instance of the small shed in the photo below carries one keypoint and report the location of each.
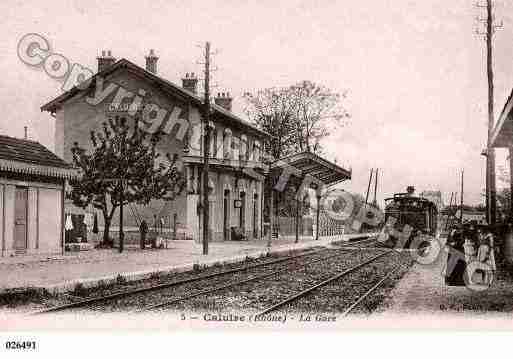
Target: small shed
(32, 184)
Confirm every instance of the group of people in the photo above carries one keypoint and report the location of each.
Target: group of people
(476, 242)
(155, 241)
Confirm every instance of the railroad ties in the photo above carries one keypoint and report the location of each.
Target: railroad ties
(267, 285)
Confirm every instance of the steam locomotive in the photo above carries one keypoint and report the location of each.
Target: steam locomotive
(419, 213)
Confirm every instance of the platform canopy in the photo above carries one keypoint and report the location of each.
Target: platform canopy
(502, 135)
(308, 163)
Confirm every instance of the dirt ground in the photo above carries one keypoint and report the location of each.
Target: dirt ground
(423, 291)
(64, 271)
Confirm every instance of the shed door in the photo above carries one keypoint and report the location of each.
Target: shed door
(20, 219)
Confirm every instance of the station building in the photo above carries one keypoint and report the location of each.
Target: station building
(239, 170)
(32, 183)
(502, 137)
(122, 88)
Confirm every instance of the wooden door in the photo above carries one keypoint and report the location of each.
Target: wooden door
(20, 219)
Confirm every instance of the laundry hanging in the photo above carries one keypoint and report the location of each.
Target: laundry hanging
(69, 224)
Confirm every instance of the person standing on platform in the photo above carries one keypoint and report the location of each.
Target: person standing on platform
(485, 255)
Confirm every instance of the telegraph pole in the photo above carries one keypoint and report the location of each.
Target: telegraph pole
(492, 205)
(491, 191)
(461, 198)
(121, 199)
(368, 187)
(376, 187)
(206, 149)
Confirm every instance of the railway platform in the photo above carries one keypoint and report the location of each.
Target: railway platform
(423, 291)
(62, 273)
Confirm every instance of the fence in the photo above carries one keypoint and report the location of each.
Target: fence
(286, 226)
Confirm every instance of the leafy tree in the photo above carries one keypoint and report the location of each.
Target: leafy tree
(122, 152)
(273, 110)
(298, 116)
(319, 110)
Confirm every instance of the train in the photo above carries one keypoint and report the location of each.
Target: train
(417, 212)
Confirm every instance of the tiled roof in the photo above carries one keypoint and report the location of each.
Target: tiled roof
(29, 152)
(30, 157)
(124, 63)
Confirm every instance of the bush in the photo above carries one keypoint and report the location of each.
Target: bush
(20, 296)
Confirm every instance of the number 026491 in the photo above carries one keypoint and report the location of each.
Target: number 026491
(20, 345)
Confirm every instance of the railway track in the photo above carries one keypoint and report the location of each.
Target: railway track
(371, 290)
(272, 285)
(234, 284)
(362, 243)
(345, 292)
(315, 287)
(99, 302)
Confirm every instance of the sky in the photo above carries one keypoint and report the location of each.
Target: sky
(414, 71)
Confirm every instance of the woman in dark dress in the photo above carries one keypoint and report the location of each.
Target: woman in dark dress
(454, 272)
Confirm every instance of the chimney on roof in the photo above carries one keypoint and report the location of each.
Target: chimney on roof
(105, 60)
(190, 82)
(151, 62)
(25, 128)
(224, 100)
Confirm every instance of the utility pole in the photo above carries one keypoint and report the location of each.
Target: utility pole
(206, 149)
(271, 214)
(461, 198)
(375, 202)
(368, 187)
(492, 205)
(121, 199)
(491, 191)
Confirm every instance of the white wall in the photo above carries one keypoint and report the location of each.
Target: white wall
(9, 218)
(43, 217)
(49, 220)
